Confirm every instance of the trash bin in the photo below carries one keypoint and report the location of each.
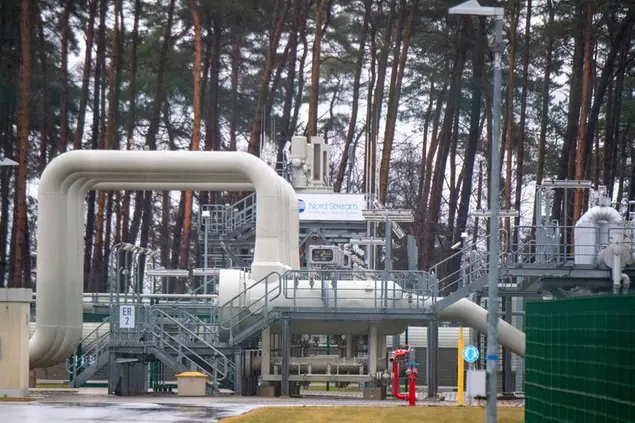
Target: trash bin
(191, 384)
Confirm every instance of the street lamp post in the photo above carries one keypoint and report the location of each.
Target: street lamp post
(472, 7)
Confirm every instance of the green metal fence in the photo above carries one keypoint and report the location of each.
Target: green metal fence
(580, 364)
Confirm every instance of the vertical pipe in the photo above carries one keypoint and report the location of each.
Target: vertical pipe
(433, 333)
(395, 380)
(284, 389)
(412, 389)
(460, 373)
(206, 223)
(372, 349)
(328, 351)
(492, 305)
(508, 377)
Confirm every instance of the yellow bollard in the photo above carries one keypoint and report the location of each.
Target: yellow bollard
(460, 373)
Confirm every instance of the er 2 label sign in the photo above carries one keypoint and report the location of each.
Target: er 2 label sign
(126, 317)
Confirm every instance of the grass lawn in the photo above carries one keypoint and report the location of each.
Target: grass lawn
(375, 415)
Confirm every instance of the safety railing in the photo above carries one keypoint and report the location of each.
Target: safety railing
(465, 266)
(341, 289)
(180, 339)
(206, 330)
(242, 214)
(243, 306)
(557, 245)
(88, 351)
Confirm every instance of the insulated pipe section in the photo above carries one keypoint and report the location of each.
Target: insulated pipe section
(55, 185)
(72, 335)
(72, 332)
(475, 316)
(590, 229)
(357, 294)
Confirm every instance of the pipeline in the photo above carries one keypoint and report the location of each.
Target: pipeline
(411, 372)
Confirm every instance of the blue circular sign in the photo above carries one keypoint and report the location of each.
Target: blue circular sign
(470, 354)
(301, 205)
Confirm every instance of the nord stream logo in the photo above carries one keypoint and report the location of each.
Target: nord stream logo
(301, 205)
(330, 206)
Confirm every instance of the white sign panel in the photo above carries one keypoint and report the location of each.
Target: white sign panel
(126, 317)
(342, 207)
(476, 383)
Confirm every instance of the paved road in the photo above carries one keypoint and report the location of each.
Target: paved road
(111, 412)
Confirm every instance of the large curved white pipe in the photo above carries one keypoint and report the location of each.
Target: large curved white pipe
(72, 334)
(473, 315)
(589, 231)
(270, 253)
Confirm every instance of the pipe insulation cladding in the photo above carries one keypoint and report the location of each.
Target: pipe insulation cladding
(62, 188)
(357, 294)
(65, 182)
(592, 230)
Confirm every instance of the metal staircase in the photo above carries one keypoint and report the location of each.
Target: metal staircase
(239, 311)
(229, 232)
(182, 349)
(464, 272)
(91, 355)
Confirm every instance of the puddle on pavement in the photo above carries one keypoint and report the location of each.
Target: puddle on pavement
(117, 412)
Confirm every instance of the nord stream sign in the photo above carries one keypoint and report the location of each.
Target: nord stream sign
(342, 207)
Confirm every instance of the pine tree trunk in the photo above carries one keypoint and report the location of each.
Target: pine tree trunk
(393, 100)
(64, 137)
(196, 141)
(357, 73)
(575, 89)
(96, 127)
(509, 115)
(544, 109)
(298, 97)
(23, 126)
(431, 224)
(263, 90)
(378, 98)
(130, 121)
(617, 113)
(584, 110)
(315, 70)
(45, 106)
(83, 97)
(520, 149)
(235, 70)
(607, 71)
(478, 59)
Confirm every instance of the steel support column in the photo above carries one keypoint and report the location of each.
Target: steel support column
(239, 375)
(508, 377)
(286, 347)
(432, 361)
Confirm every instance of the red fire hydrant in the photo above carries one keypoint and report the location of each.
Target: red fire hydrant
(411, 372)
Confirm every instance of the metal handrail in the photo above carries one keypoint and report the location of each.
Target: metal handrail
(155, 311)
(230, 322)
(207, 327)
(180, 348)
(414, 286)
(474, 261)
(76, 364)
